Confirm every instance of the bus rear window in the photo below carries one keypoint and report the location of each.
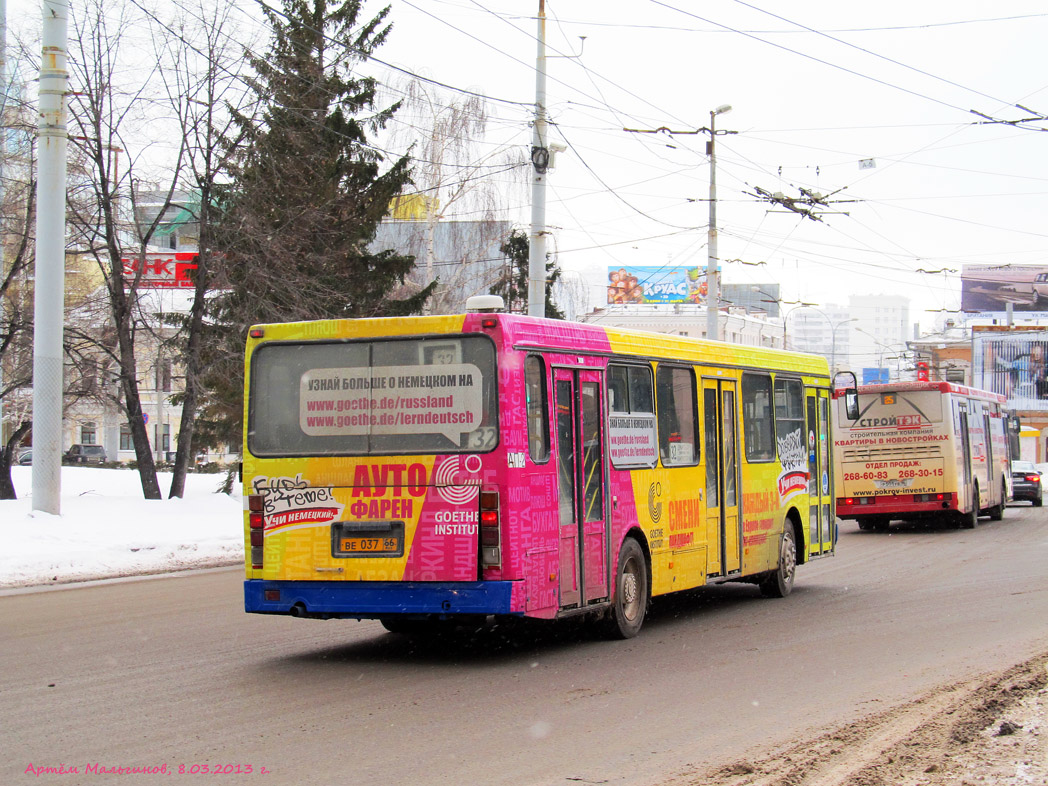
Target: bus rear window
(431, 395)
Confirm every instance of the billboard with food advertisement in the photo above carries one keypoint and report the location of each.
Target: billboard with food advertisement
(656, 284)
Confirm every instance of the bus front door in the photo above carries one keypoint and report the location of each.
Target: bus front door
(583, 574)
(720, 440)
(821, 517)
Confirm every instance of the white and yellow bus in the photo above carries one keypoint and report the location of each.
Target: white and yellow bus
(919, 450)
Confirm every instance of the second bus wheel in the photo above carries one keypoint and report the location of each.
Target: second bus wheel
(970, 520)
(632, 584)
(779, 583)
(997, 511)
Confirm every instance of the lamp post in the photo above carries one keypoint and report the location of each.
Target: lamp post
(795, 303)
(833, 331)
(881, 347)
(833, 341)
(712, 273)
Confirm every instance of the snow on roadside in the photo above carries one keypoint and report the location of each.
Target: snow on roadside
(106, 529)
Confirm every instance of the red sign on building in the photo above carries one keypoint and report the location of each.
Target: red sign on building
(161, 270)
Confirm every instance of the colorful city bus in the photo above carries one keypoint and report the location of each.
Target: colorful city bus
(437, 471)
(921, 450)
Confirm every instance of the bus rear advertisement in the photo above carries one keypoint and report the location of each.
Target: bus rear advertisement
(921, 449)
(433, 471)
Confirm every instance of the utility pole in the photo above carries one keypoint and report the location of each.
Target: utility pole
(540, 164)
(712, 272)
(49, 286)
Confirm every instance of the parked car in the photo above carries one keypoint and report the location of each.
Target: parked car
(24, 458)
(1040, 286)
(86, 454)
(1026, 482)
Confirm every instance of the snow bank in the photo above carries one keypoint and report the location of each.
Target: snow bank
(106, 529)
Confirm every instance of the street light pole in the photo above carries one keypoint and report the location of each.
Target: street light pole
(786, 314)
(833, 331)
(712, 273)
(833, 340)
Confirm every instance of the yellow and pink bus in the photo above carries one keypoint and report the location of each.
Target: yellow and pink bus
(435, 471)
(917, 450)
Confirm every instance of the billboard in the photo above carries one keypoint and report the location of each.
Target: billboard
(1013, 365)
(656, 284)
(161, 269)
(875, 376)
(993, 287)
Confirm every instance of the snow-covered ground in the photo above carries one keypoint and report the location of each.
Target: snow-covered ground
(106, 529)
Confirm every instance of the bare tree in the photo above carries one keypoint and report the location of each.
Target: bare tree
(109, 114)
(16, 314)
(17, 217)
(202, 84)
(454, 181)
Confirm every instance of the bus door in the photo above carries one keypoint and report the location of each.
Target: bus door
(720, 440)
(821, 517)
(581, 471)
(964, 436)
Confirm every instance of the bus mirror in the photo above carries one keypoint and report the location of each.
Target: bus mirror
(850, 386)
(851, 404)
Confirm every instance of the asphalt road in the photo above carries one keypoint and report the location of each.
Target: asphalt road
(171, 672)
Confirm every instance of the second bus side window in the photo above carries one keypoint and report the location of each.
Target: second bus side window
(757, 423)
(537, 408)
(631, 407)
(789, 418)
(678, 419)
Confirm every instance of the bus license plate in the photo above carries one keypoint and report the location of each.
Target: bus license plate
(358, 545)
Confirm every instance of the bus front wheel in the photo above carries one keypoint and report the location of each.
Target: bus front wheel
(630, 604)
(779, 582)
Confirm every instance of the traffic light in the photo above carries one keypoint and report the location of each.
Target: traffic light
(922, 371)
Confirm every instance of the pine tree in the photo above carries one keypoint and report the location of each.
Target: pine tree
(306, 194)
(512, 286)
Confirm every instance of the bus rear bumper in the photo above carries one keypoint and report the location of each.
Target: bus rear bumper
(369, 599)
(896, 508)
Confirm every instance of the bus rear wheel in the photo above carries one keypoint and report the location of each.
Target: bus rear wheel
(997, 511)
(624, 619)
(970, 520)
(779, 583)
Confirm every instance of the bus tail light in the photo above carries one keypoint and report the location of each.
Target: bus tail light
(859, 500)
(490, 531)
(256, 522)
(942, 497)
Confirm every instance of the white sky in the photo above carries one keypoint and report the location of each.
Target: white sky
(107, 530)
(945, 191)
(889, 81)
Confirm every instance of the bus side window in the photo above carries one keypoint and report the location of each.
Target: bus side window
(617, 401)
(678, 418)
(789, 420)
(632, 441)
(537, 408)
(757, 419)
(641, 398)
